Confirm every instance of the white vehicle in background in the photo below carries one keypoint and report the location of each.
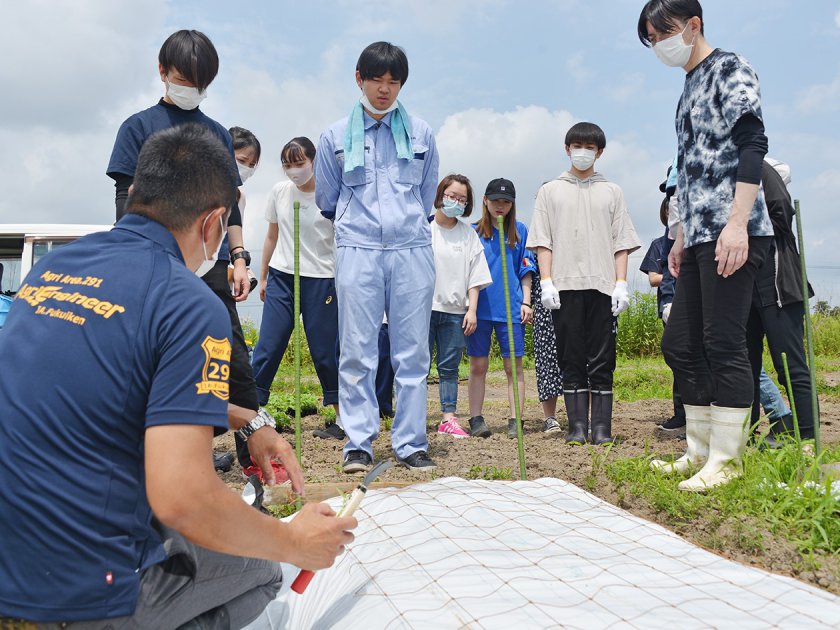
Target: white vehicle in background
(24, 244)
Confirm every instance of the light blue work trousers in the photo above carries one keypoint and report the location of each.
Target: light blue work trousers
(400, 284)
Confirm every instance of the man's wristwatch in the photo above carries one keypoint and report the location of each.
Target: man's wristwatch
(263, 419)
(242, 253)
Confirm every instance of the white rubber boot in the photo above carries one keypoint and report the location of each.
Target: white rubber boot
(730, 430)
(697, 429)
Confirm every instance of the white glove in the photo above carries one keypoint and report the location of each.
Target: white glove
(549, 296)
(620, 298)
(666, 313)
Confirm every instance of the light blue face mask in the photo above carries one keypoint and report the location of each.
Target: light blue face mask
(452, 209)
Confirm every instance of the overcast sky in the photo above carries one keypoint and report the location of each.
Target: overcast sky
(499, 81)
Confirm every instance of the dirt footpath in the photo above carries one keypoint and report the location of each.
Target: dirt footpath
(547, 455)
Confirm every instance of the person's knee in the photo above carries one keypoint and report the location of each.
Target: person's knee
(478, 366)
(672, 351)
(448, 372)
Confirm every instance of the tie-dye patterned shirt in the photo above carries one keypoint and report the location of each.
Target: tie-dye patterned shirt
(717, 93)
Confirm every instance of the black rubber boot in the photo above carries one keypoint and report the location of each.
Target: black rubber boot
(602, 417)
(781, 430)
(577, 409)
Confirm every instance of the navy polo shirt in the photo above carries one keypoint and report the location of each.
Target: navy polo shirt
(107, 336)
(137, 128)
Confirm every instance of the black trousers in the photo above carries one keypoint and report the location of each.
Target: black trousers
(705, 341)
(784, 329)
(243, 388)
(585, 329)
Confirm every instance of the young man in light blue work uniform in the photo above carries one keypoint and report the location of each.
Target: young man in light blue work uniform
(376, 174)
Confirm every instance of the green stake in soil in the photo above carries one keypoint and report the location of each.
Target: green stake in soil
(789, 388)
(809, 330)
(517, 413)
(296, 234)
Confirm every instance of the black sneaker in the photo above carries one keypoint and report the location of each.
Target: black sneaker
(331, 431)
(673, 425)
(419, 460)
(478, 428)
(511, 432)
(356, 461)
(222, 461)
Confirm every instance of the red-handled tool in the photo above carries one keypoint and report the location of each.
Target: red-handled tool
(305, 577)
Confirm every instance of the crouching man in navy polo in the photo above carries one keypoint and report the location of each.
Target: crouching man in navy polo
(122, 357)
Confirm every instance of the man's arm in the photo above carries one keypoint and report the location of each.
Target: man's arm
(186, 495)
(428, 187)
(121, 185)
(621, 265)
(327, 176)
(654, 279)
(264, 445)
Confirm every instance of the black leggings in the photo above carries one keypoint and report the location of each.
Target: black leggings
(705, 341)
(783, 327)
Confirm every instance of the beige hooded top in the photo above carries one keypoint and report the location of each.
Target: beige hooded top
(584, 222)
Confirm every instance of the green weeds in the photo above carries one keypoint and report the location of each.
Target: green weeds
(781, 492)
(489, 473)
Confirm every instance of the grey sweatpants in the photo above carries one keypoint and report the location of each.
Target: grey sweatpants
(195, 588)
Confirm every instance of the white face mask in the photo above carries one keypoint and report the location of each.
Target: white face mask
(300, 175)
(582, 159)
(368, 106)
(245, 171)
(674, 51)
(186, 98)
(209, 262)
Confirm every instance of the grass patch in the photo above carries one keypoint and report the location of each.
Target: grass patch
(780, 493)
(282, 510)
(490, 473)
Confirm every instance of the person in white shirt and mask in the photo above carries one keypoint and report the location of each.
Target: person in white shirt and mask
(318, 303)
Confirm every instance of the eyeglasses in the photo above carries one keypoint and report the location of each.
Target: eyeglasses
(455, 198)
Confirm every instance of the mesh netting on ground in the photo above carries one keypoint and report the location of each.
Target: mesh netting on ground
(533, 554)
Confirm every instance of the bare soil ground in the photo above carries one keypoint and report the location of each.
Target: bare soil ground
(547, 455)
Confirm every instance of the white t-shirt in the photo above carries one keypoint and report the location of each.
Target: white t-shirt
(460, 265)
(317, 236)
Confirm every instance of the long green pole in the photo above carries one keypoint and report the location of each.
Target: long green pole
(511, 348)
(809, 330)
(296, 234)
(790, 397)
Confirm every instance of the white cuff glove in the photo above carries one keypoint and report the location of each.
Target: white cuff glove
(666, 313)
(620, 298)
(549, 296)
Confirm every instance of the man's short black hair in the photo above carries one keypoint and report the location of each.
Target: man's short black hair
(182, 172)
(586, 133)
(193, 55)
(665, 16)
(382, 57)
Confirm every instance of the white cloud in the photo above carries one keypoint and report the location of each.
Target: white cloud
(821, 97)
(631, 85)
(67, 62)
(524, 145)
(576, 67)
(837, 19)
(66, 95)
